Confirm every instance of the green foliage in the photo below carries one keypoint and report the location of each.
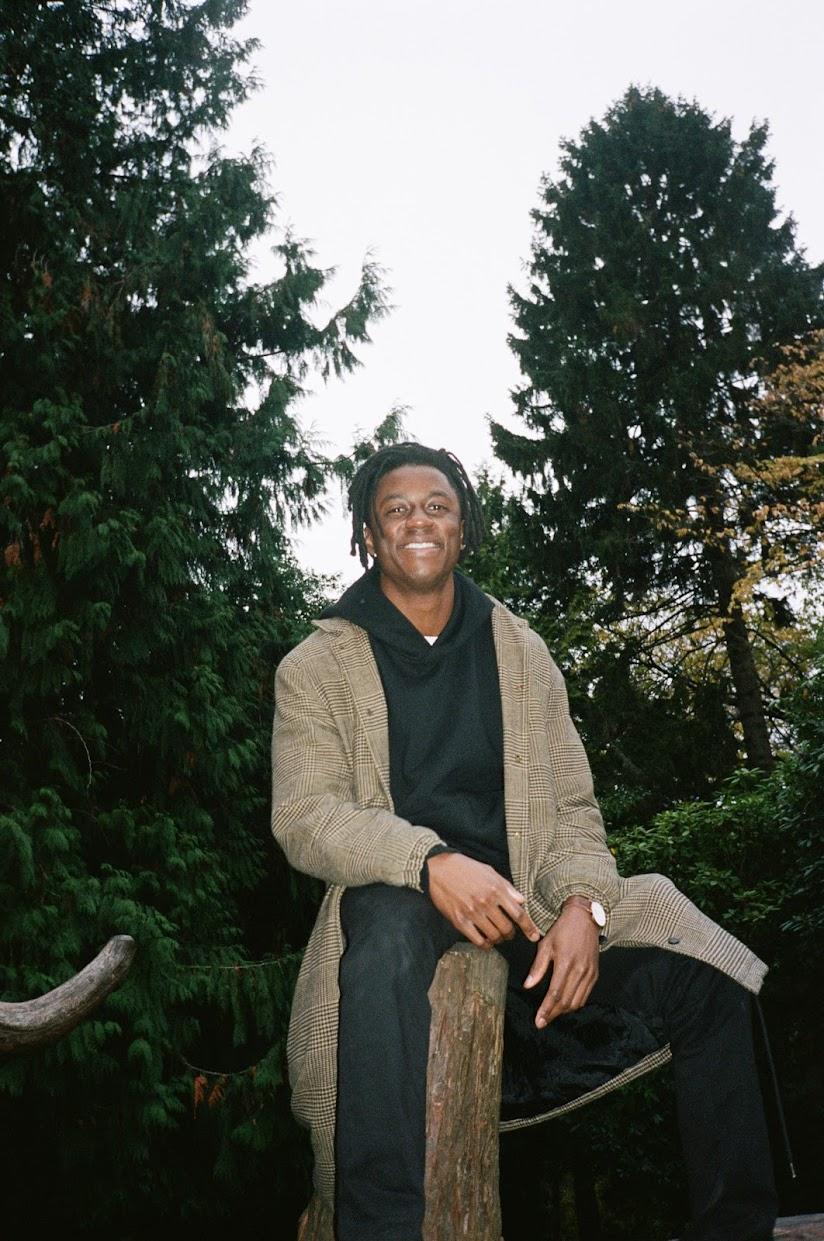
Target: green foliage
(150, 464)
(725, 854)
(655, 474)
(750, 858)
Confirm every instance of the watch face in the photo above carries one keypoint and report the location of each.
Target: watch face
(598, 913)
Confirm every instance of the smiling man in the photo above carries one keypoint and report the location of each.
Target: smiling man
(425, 766)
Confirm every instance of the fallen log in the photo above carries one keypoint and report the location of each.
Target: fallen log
(462, 1106)
(28, 1024)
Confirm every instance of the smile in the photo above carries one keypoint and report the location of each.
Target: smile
(415, 546)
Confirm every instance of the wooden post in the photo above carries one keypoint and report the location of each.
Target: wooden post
(462, 1104)
(464, 1096)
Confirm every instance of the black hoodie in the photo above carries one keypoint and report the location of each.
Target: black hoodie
(444, 707)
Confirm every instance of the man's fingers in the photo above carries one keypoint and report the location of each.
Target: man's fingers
(469, 892)
(555, 1003)
(493, 924)
(583, 990)
(512, 903)
(472, 933)
(568, 991)
(559, 993)
(523, 920)
(539, 966)
(549, 1008)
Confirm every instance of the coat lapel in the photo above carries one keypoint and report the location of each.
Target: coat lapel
(353, 652)
(512, 652)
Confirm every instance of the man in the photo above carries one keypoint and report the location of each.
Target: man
(425, 766)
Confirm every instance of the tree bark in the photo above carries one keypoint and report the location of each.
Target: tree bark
(747, 686)
(464, 1096)
(31, 1023)
(748, 695)
(463, 1102)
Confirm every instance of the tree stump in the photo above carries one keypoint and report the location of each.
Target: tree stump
(462, 1102)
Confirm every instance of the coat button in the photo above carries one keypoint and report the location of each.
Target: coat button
(673, 939)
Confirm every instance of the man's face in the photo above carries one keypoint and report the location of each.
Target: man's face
(416, 531)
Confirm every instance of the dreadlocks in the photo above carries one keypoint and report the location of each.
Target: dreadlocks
(363, 486)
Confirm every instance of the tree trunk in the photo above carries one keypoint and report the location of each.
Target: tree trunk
(747, 691)
(748, 696)
(462, 1105)
(31, 1023)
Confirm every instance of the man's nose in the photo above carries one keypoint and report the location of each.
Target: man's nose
(418, 518)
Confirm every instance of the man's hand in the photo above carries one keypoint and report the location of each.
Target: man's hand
(479, 902)
(570, 946)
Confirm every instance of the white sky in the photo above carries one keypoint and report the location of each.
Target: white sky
(419, 129)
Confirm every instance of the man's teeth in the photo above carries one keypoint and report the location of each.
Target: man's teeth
(421, 544)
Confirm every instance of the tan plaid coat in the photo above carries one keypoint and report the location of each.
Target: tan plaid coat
(332, 815)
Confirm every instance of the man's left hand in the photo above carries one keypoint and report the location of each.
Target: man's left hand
(570, 947)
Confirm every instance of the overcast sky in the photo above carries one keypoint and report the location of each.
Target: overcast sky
(419, 130)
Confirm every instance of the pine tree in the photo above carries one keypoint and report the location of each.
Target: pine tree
(150, 462)
(663, 286)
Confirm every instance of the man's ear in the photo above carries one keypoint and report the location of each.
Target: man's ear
(368, 540)
(463, 537)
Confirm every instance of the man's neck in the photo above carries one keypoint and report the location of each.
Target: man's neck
(429, 611)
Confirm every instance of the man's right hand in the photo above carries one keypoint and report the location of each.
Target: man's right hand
(479, 902)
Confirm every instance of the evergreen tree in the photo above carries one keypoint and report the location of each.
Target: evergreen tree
(655, 728)
(663, 286)
(149, 462)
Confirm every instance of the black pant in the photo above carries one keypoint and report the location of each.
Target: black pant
(394, 939)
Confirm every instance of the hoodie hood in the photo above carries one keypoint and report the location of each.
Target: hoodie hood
(365, 604)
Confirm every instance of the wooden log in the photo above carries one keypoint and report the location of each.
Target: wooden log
(800, 1228)
(464, 1096)
(462, 1105)
(31, 1023)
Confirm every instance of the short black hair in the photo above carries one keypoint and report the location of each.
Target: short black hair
(364, 484)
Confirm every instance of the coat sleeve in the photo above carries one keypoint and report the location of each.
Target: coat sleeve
(321, 828)
(579, 860)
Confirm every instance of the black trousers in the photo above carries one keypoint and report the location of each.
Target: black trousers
(394, 939)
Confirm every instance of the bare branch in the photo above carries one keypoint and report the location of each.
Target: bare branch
(32, 1023)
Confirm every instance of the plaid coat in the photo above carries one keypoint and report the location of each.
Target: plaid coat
(332, 815)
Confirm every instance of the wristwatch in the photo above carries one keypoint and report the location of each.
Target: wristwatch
(594, 908)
